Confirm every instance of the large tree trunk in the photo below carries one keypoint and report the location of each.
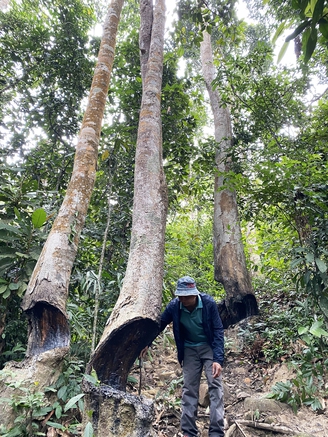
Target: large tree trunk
(229, 256)
(46, 295)
(134, 321)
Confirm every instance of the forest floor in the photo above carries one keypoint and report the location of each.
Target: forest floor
(247, 380)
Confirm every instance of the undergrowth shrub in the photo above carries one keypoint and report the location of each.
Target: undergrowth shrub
(58, 406)
(291, 330)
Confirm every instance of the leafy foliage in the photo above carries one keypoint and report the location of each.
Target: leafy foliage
(290, 332)
(22, 233)
(310, 367)
(189, 251)
(63, 403)
(38, 40)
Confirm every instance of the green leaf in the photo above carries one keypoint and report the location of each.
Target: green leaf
(3, 288)
(4, 264)
(180, 51)
(21, 289)
(14, 432)
(58, 411)
(307, 338)
(282, 51)
(299, 29)
(313, 4)
(39, 217)
(71, 403)
(323, 304)
(323, 27)
(9, 228)
(62, 391)
(91, 379)
(10, 253)
(322, 266)
(317, 331)
(309, 257)
(22, 255)
(42, 411)
(282, 26)
(6, 294)
(303, 329)
(309, 43)
(56, 425)
(132, 379)
(316, 404)
(295, 262)
(88, 430)
(18, 214)
(317, 12)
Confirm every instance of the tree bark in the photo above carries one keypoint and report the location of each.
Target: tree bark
(115, 413)
(134, 321)
(46, 295)
(45, 298)
(229, 256)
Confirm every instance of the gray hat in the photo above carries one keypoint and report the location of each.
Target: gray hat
(186, 286)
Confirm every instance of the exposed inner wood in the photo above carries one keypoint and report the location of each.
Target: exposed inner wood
(48, 329)
(113, 360)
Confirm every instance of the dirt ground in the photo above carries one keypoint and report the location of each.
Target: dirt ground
(246, 380)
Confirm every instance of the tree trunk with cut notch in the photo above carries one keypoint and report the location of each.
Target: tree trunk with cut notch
(229, 256)
(134, 322)
(45, 298)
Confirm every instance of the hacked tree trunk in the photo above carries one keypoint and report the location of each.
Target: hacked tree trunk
(46, 295)
(229, 256)
(45, 298)
(116, 413)
(134, 321)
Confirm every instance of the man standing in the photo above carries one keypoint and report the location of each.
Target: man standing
(198, 333)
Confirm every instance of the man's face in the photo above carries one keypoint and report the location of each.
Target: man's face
(189, 302)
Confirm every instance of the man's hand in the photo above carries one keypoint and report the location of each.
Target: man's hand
(216, 370)
(143, 353)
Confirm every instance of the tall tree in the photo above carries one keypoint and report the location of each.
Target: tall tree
(45, 298)
(144, 273)
(134, 320)
(229, 256)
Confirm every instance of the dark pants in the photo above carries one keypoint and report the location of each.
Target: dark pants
(195, 359)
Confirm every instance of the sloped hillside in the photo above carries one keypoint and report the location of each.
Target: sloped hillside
(247, 381)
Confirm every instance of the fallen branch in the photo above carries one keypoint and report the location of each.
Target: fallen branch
(266, 426)
(159, 416)
(240, 428)
(231, 430)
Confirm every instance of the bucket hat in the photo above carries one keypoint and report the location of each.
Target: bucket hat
(186, 286)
